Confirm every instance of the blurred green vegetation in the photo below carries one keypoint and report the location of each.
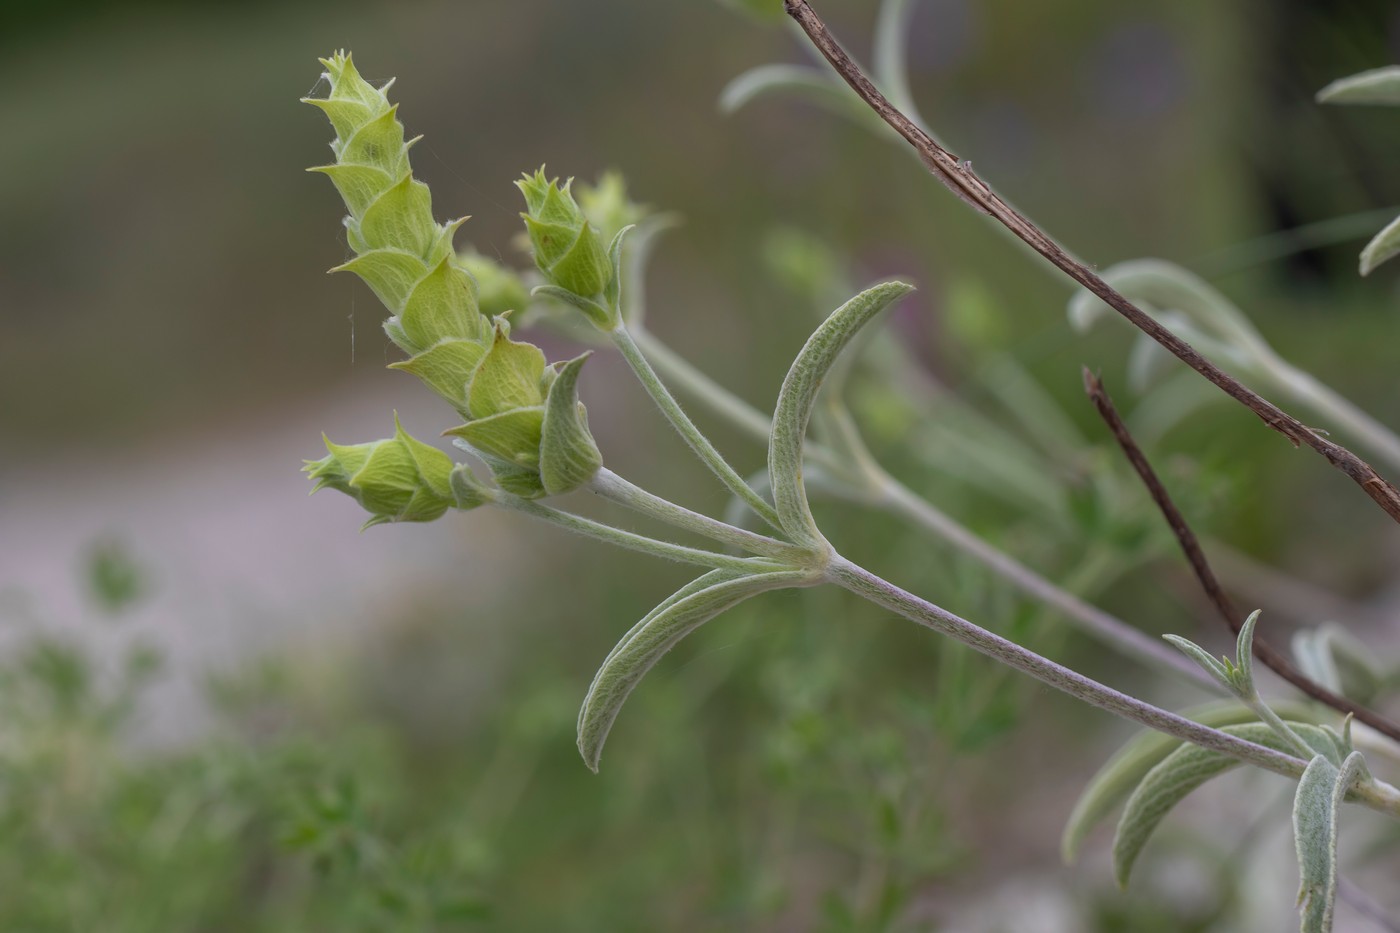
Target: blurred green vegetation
(806, 763)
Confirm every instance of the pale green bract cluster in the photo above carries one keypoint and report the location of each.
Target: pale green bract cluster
(521, 414)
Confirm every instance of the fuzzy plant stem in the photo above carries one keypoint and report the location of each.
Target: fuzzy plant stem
(664, 400)
(879, 487)
(1375, 794)
(630, 540)
(900, 500)
(610, 486)
(697, 385)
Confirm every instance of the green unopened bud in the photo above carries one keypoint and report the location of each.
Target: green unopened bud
(401, 252)
(498, 289)
(568, 249)
(398, 479)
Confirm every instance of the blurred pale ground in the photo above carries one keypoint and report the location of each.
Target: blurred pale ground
(170, 349)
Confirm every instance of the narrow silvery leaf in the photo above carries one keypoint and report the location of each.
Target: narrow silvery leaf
(568, 455)
(1321, 791)
(1383, 246)
(699, 584)
(1244, 653)
(797, 79)
(1330, 656)
(1377, 86)
(1210, 664)
(647, 642)
(1175, 776)
(798, 395)
(1147, 361)
(1166, 287)
(1126, 769)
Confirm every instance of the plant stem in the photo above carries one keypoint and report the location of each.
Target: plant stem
(664, 400)
(610, 486)
(1375, 794)
(1272, 657)
(878, 487)
(631, 540)
(1331, 405)
(958, 177)
(863, 583)
(1275, 722)
(900, 500)
(701, 387)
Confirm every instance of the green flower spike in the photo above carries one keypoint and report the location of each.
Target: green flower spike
(399, 479)
(526, 420)
(568, 250)
(401, 252)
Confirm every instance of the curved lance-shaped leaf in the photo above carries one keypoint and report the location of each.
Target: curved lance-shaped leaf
(1181, 772)
(1321, 791)
(1330, 655)
(1130, 764)
(656, 634)
(1219, 326)
(1383, 246)
(1377, 86)
(797, 397)
(798, 79)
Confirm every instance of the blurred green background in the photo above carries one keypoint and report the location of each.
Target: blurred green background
(227, 710)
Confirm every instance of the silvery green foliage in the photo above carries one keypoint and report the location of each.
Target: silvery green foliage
(798, 396)
(521, 418)
(1321, 790)
(1116, 780)
(1186, 768)
(1330, 655)
(1237, 676)
(1378, 86)
(657, 633)
(1198, 313)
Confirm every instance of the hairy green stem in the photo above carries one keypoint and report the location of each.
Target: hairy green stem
(899, 499)
(879, 487)
(1375, 794)
(867, 585)
(631, 540)
(664, 400)
(701, 387)
(610, 486)
(1276, 723)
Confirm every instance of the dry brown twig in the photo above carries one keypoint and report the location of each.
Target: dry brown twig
(958, 176)
(1270, 656)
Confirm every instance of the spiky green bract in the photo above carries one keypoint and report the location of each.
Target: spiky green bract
(398, 479)
(525, 418)
(568, 248)
(400, 251)
(500, 386)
